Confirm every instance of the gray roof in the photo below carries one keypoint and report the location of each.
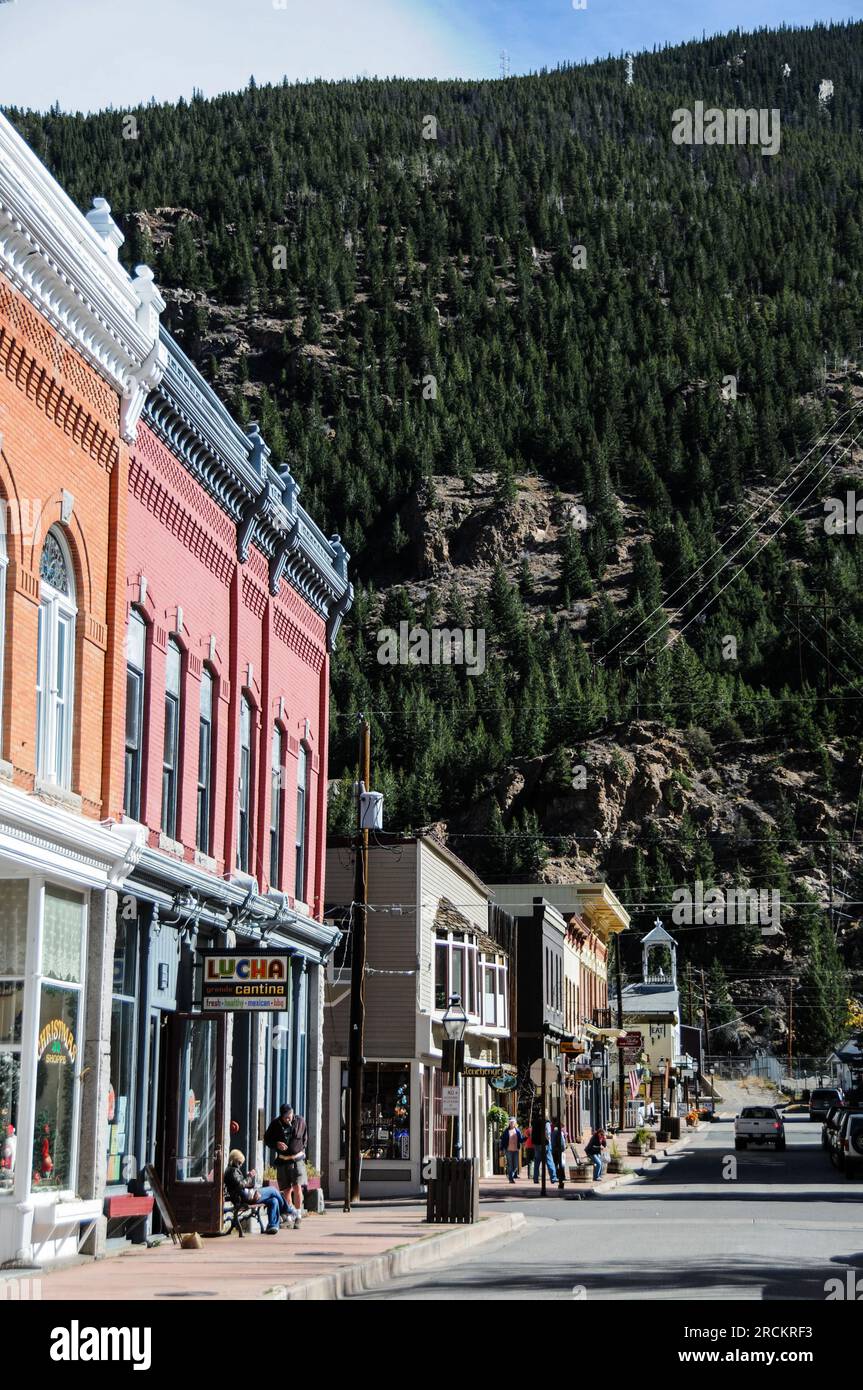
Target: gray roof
(651, 999)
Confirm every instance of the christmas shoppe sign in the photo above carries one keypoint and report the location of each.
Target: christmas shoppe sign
(240, 981)
(57, 1043)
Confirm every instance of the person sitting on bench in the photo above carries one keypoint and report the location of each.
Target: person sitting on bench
(242, 1192)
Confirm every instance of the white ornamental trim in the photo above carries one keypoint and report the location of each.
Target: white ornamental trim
(57, 260)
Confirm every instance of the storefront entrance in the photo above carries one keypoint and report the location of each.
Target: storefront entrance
(195, 1119)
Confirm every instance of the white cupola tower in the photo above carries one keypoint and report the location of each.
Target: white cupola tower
(658, 940)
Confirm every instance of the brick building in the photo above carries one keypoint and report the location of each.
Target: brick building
(78, 350)
(168, 609)
(234, 598)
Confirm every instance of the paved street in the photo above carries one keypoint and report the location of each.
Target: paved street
(783, 1226)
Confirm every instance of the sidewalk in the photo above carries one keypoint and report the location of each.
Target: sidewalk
(330, 1254)
(500, 1189)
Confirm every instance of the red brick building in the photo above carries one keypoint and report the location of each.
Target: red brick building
(168, 609)
(78, 349)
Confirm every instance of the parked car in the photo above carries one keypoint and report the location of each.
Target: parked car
(821, 1100)
(847, 1149)
(759, 1124)
(830, 1126)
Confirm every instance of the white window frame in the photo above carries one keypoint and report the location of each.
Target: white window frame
(55, 713)
(4, 568)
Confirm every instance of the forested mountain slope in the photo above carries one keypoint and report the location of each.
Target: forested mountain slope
(555, 377)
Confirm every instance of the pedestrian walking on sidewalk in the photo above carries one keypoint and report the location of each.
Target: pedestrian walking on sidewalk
(510, 1143)
(286, 1138)
(542, 1134)
(594, 1148)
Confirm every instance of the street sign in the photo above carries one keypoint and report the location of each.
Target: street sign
(552, 1074)
(631, 1042)
(450, 1100)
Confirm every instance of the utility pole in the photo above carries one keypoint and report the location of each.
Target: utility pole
(790, 1025)
(621, 1100)
(691, 1000)
(704, 1009)
(356, 1038)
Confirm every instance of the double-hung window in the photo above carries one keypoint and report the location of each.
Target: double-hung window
(136, 646)
(3, 564)
(171, 754)
(245, 786)
(276, 781)
(205, 762)
(302, 822)
(55, 663)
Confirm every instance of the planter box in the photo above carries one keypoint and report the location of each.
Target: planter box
(636, 1150)
(584, 1174)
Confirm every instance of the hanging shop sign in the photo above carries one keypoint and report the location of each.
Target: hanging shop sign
(57, 1043)
(232, 980)
(631, 1042)
(507, 1082)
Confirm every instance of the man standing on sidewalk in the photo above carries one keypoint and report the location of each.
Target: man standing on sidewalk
(278, 1139)
(297, 1171)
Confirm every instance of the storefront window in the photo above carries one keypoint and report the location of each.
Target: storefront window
(120, 1089)
(13, 955)
(386, 1110)
(57, 1056)
(196, 1119)
(58, 1040)
(63, 935)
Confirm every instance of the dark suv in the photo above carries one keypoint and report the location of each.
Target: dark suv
(821, 1100)
(847, 1149)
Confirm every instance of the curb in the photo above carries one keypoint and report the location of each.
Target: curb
(403, 1259)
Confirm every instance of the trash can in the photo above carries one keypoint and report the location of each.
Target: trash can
(674, 1126)
(453, 1192)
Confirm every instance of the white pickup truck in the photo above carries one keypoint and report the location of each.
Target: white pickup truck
(759, 1124)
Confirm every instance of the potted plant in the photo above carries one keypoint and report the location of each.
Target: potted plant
(639, 1143)
(583, 1170)
(615, 1158)
(313, 1197)
(692, 1118)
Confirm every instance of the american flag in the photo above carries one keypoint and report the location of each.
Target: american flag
(633, 1084)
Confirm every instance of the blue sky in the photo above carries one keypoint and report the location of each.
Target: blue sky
(89, 54)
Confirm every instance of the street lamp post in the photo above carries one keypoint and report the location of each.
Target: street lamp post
(662, 1095)
(454, 1025)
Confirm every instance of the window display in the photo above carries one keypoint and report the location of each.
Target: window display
(385, 1110)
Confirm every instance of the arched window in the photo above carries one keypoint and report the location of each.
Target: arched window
(173, 724)
(136, 649)
(55, 663)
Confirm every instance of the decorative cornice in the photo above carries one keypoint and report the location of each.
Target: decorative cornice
(66, 267)
(260, 498)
